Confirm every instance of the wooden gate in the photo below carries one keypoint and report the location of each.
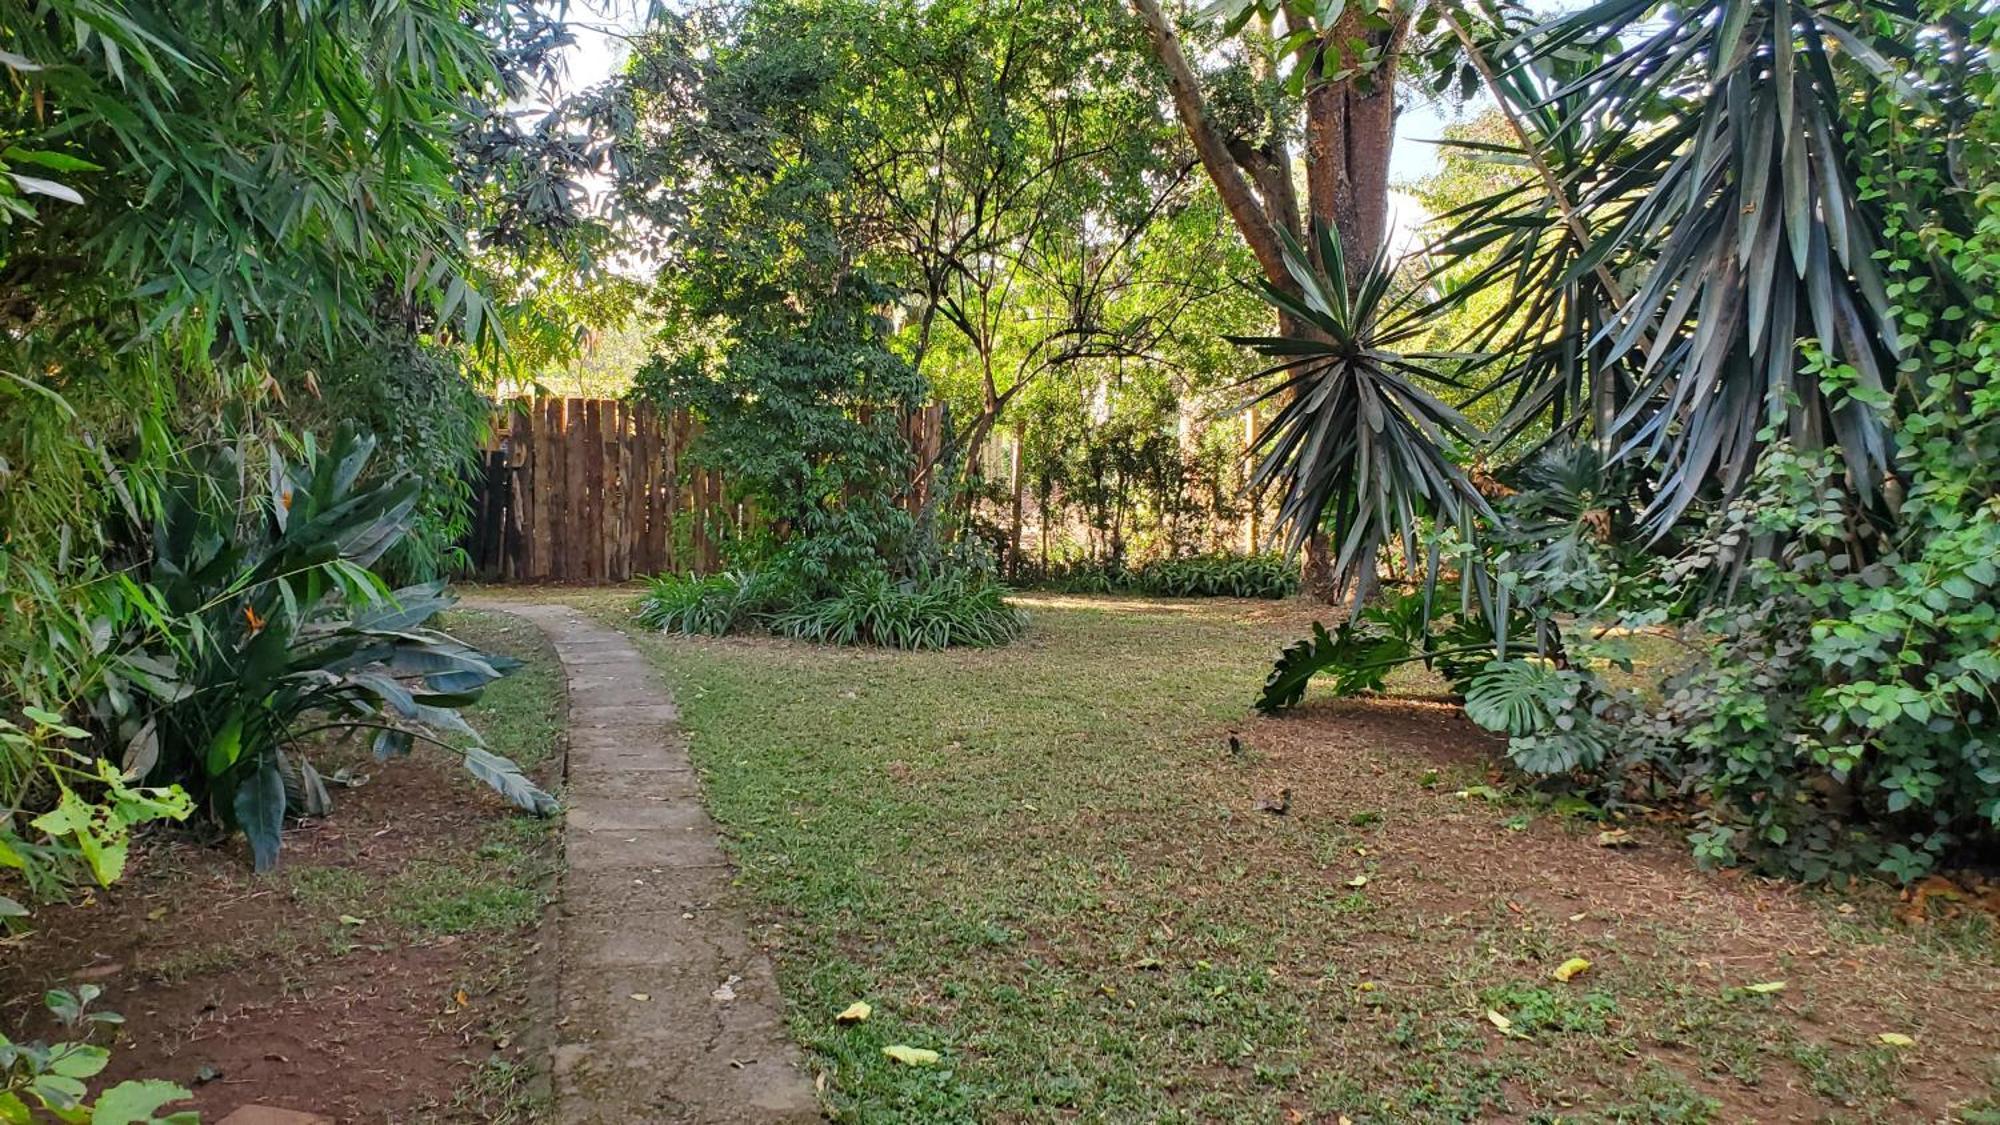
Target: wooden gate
(598, 490)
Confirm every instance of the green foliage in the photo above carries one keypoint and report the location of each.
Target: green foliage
(1359, 444)
(1217, 576)
(53, 1078)
(218, 199)
(954, 606)
(427, 419)
(1553, 716)
(1194, 576)
(1752, 349)
(775, 340)
(706, 606)
(100, 830)
(926, 612)
(1361, 651)
(273, 629)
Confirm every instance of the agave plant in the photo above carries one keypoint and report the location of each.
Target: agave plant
(274, 630)
(1359, 443)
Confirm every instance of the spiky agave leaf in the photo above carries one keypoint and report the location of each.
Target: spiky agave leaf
(1358, 443)
(1708, 160)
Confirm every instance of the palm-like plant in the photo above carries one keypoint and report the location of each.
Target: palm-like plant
(1702, 179)
(1359, 443)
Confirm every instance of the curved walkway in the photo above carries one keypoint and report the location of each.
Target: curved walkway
(668, 1012)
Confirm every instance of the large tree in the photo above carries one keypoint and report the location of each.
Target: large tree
(1340, 68)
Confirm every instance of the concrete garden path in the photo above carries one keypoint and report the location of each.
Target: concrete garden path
(667, 1011)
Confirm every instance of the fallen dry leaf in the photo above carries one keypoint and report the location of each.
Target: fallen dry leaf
(1896, 1039)
(1766, 988)
(911, 1056)
(1571, 968)
(854, 1013)
(1915, 910)
(1498, 1020)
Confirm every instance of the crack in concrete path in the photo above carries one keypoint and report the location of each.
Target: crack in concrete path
(647, 932)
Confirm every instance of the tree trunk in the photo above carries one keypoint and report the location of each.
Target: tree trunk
(1020, 482)
(1350, 125)
(1350, 128)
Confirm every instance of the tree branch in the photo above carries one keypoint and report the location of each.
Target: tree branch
(1213, 148)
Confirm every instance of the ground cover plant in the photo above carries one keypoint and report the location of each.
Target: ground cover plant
(929, 611)
(413, 916)
(1055, 867)
(1219, 575)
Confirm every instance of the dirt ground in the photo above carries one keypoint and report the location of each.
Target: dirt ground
(387, 972)
(1454, 868)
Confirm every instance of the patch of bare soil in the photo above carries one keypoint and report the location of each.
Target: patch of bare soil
(1460, 865)
(386, 972)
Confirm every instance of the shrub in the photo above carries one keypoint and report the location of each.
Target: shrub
(427, 418)
(271, 629)
(1220, 575)
(712, 605)
(951, 605)
(54, 1076)
(914, 613)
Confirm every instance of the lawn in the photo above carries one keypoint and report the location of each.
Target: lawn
(1047, 863)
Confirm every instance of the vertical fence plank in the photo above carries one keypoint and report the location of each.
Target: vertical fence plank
(576, 556)
(548, 481)
(623, 459)
(524, 489)
(646, 459)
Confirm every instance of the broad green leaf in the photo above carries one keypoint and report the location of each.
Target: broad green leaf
(260, 812)
(134, 1103)
(507, 779)
(225, 748)
(78, 1060)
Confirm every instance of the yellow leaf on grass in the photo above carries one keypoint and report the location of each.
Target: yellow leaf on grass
(1765, 988)
(1358, 881)
(855, 1012)
(1896, 1039)
(1571, 968)
(351, 920)
(1498, 1020)
(911, 1056)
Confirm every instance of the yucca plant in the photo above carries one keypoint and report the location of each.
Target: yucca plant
(1359, 443)
(1703, 212)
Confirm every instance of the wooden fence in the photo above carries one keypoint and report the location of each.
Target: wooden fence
(599, 490)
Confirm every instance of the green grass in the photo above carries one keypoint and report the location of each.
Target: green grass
(1041, 861)
(519, 715)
